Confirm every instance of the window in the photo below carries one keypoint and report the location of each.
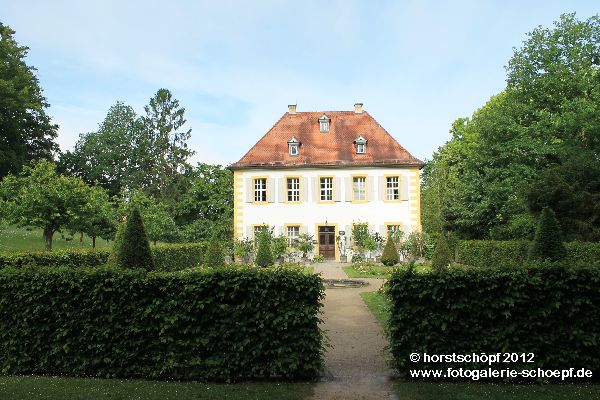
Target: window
(292, 233)
(392, 188)
(359, 186)
(361, 145)
(293, 189)
(324, 123)
(294, 147)
(258, 229)
(260, 190)
(326, 185)
(394, 230)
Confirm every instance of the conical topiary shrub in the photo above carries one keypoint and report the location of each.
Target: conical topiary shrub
(547, 243)
(442, 257)
(116, 248)
(390, 254)
(134, 250)
(264, 256)
(214, 253)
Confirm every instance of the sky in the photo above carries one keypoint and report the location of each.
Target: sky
(236, 65)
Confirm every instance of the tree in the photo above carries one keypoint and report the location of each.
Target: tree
(40, 197)
(134, 250)
(442, 256)
(264, 256)
(97, 218)
(165, 142)
(108, 156)
(390, 254)
(26, 131)
(279, 245)
(158, 222)
(214, 253)
(305, 244)
(547, 243)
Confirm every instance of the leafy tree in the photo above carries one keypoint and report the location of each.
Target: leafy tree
(242, 249)
(547, 243)
(279, 245)
(214, 253)
(390, 254)
(305, 244)
(97, 218)
(264, 256)
(206, 205)
(158, 222)
(42, 198)
(442, 256)
(109, 156)
(26, 132)
(134, 250)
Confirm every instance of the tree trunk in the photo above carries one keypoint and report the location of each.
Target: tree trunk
(93, 242)
(48, 233)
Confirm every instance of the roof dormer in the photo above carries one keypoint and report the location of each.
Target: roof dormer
(324, 123)
(361, 145)
(294, 147)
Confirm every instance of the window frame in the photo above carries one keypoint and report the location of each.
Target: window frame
(294, 149)
(256, 198)
(326, 190)
(290, 239)
(390, 190)
(360, 146)
(291, 191)
(365, 189)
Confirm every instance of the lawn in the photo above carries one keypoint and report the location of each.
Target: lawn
(477, 391)
(372, 270)
(51, 388)
(13, 238)
(379, 306)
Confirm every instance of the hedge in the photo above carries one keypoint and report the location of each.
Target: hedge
(482, 253)
(552, 311)
(167, 257)
(216, 324)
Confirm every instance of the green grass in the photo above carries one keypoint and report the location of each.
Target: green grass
(54, 388)
(13, 238)
(372, 270)
(379, 306)
(483, 391)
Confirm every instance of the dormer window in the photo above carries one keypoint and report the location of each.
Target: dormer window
(294, 147)
(361, 145)
(324, 123)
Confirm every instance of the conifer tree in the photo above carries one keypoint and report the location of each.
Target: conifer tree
(390, 254)
(264, 256)
(547, 243)
(134, 250)
(214, 253)
(442, 256)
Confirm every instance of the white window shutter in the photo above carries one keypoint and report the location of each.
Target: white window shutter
(282, 190)
(249, 190)
(383, 231)
(371, 188)
(304, 190)
(404, 188)
(348, 186)
(337, 189)
(270, 190)
(303, 229)
(382, 186)
(315, 189)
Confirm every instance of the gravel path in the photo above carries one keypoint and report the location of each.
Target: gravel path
(356, 365)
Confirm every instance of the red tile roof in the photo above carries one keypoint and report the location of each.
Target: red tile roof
(333, 148)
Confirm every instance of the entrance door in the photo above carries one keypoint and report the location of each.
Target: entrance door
(327, 242)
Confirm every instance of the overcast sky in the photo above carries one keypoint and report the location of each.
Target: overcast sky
(235, 66)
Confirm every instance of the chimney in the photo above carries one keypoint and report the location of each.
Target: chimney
(358, 108)
(292, 109)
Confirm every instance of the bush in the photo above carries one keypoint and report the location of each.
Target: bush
(441, 255)
(390, 254)
(514, 253)
(134, 251)
(279, 245)
(242, 249)
(547, 243)
(552, 311)
(167, 257)
(318, 258)
(214, 254)
(264, 257)
(216, 324)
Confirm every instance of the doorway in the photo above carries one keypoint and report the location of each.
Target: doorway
(327, 242)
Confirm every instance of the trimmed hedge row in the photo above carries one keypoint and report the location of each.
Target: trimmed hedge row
(551, 311)
(218, 324)
(513, 253)
(167, 257)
